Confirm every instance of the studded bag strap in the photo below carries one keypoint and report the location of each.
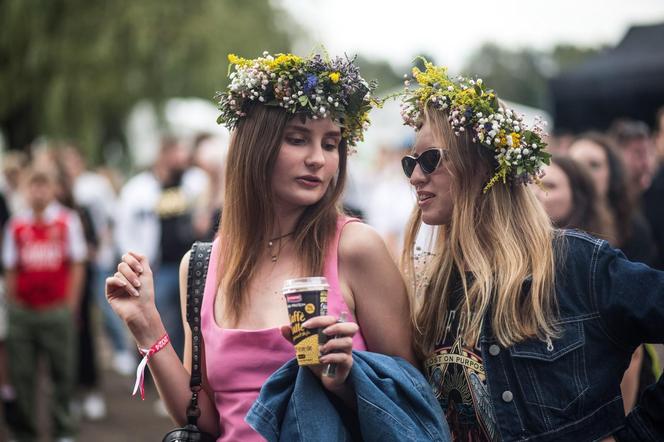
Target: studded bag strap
(199, 260)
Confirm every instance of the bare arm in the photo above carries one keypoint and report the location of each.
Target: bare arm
(10, 284)
(75, 287)
(630, 382)
(135, 305)
(382, 308)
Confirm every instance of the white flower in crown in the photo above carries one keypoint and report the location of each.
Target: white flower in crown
(471, 106)
(299, 86)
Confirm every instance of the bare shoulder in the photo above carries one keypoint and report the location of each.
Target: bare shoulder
(184, 269)
(359, 242)
(184, 265)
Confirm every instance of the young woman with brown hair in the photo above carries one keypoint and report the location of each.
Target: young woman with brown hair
(293, 122)
(524, 331)
(569, 196)
(632, 233)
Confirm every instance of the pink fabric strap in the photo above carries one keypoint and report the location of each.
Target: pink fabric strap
(147, 354)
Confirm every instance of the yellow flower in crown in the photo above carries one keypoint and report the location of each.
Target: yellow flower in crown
(519, 151)
(316, 86)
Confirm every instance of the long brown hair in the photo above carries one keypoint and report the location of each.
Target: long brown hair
(589, 212)
(248, 214)
(502, 238)
(618, 198)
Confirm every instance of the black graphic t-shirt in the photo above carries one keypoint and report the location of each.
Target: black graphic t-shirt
(457, 376)
(175, 215)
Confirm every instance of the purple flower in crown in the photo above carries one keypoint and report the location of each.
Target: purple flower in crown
(312, 80)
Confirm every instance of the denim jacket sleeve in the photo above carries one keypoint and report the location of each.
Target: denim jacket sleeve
(630, 299)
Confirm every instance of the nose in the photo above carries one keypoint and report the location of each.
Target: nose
(315, 158)
(418, 177)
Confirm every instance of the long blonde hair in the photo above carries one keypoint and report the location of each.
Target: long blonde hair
(248, 214)
(502, 238)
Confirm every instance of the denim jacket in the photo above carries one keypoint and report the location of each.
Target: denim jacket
(568, 387)
(394, 403)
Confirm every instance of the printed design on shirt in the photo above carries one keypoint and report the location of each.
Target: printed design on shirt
(172, 202)
(41, 247)
(42, 255)
(458, 378)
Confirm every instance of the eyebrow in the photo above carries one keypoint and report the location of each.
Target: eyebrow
(299, 128)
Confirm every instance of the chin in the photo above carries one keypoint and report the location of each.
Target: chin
(434, 219)
(304, 200)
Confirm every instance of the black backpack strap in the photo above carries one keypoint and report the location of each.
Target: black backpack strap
(199, 260)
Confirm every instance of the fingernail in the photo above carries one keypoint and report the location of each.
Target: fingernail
(305, 324)
(122, 283)
(137, 283)
(136, 293)
(140, 269)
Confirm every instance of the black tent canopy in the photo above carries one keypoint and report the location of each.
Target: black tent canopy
(626, 81)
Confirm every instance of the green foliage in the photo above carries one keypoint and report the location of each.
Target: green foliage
(382, 71)
(522, 75)
(74, 68)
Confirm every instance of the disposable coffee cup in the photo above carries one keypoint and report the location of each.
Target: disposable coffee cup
(306, 298)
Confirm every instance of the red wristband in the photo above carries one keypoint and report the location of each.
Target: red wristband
(147, 354)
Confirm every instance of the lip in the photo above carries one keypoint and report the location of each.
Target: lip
(424, 198)
(309, 181)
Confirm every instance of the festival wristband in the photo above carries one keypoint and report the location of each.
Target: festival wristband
(147, 354)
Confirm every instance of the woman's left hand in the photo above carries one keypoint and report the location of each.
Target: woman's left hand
(337, 350)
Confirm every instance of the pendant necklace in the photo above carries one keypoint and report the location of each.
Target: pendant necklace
(270, 244)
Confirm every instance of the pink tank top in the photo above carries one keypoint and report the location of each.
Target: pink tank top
(238, 362)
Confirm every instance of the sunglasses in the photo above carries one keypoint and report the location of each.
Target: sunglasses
(429, 160)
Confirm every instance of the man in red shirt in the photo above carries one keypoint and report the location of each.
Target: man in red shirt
(43, 253)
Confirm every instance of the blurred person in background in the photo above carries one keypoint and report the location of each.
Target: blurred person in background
(653, 197)
(567, 193)
(209, 155)
(93, 405)
(658, 136)
(559, 144)
(390, 199)
(632, 232)
(14, 164)
(155, 218)
(43, 253)
(7, 392)
(94, 193)
(638, 152)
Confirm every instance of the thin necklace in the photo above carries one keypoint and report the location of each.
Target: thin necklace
(270, 243)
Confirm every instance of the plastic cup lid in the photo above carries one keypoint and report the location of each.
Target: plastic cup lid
(309, 283)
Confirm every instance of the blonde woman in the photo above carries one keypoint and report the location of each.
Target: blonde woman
(293, 121)
(524, 331)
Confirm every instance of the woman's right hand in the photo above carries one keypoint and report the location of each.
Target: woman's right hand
(130, 292)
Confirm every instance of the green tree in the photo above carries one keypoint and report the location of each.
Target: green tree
(74, 68)
(522, 75)
(516, 75)
(380, 70)
(565, 56)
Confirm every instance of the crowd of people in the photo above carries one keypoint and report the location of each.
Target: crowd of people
(531, 311)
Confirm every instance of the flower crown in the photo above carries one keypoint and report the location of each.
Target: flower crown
(316, 87)
(519, 152)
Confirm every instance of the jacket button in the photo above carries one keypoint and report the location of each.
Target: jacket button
(494, 350)
(508, 396)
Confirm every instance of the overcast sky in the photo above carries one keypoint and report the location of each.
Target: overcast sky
(451, 30)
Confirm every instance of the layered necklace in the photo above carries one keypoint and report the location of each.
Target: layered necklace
(275, 256)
